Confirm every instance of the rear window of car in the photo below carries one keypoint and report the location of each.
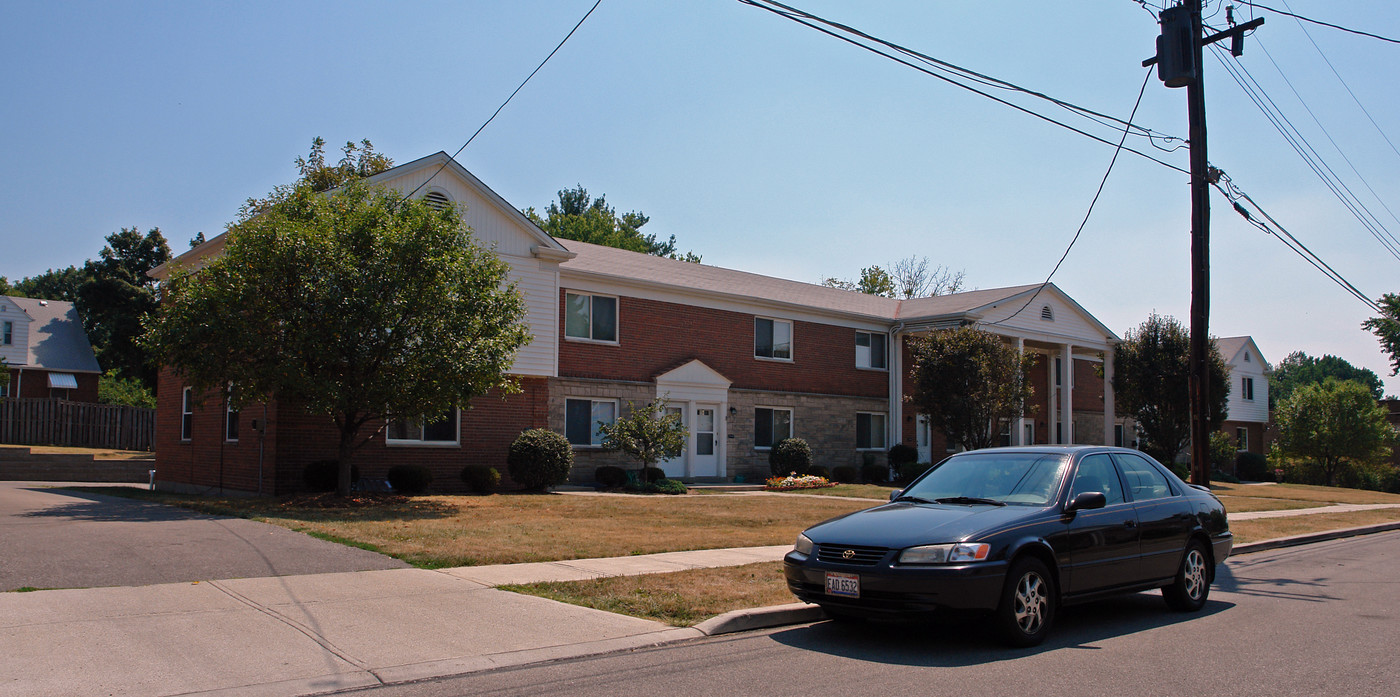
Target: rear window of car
(1030, 479)
(1145, 482)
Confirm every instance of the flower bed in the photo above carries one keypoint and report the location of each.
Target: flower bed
(792, 481)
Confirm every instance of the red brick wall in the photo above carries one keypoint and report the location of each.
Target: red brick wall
(656, 336)
(35, 384)
(207, 460)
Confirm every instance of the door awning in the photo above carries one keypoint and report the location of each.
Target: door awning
(63, 381)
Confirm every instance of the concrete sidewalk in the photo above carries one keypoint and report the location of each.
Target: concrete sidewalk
(296, 635)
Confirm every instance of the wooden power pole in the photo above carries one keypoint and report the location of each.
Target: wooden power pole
(1180, 50)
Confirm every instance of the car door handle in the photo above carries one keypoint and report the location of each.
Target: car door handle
(1130, 524)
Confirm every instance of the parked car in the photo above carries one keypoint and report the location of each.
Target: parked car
(1018, 532)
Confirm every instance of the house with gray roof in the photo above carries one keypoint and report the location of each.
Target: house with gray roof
(743, 358)
(46, 351)
(1248, 416)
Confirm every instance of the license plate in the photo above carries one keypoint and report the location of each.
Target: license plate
(845, 585)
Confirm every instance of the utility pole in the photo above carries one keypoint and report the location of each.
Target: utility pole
(1180, 50)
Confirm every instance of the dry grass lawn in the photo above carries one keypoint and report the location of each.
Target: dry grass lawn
(445, 531)
(1245, 504)
(680, 599)
(1271, 528)
(1317, 495)
(877, 492)
(96, 453)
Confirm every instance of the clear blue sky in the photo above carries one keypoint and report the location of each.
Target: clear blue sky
(760, 144)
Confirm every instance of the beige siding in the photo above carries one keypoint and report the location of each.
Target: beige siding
(538, 281)
(491, 226)
(1256, 410)
(1068, 323)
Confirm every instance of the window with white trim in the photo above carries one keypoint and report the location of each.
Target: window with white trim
(187, 413)
(772, 338)
(441, 429)
(7, 336)
(1247, 389)
(590, 317)
(1241, 439)
(584, 418)
(230, 419)
(770, 425)
(870, 430)
(870, 351)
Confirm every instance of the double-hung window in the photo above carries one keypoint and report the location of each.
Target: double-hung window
(187, 413)
(230, 418)
(1247, 389)
(583, 419)
(590, 317)
(772, 338)
(770, 425)
(1241, 439)
(439, 429)
(870, 431)
(7, 335)
(870, 351)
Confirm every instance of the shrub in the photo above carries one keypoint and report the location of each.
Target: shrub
(1218, 476)
(539, 458)
(651, 475)
(409, 479)
(321, 475)
(819, 471)
(875, 473)
(903, 454)
(1222, 452)
(790, 455)
(610, 477)
(481, 479)
(668, 486)
(910, 471)
(845, 474)
(1253, 467)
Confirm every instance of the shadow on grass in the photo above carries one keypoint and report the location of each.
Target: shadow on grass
(310, 508)
(967, 639)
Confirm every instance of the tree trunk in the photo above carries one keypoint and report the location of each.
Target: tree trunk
(342, 483)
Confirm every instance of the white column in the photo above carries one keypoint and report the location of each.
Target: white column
(1109, 418)
(1067, 393)
(895, 424)
(1018, 429)
(1051, 399)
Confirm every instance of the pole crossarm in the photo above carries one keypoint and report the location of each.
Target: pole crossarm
(1235, 31)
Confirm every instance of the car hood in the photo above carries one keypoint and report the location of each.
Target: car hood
(905, 524)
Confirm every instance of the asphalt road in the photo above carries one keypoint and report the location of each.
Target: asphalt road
(1315, 620)
(55, 538)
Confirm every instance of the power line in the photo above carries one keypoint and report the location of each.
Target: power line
(454, 155)
(814, 22)
(1320, 22)
(1142, 90)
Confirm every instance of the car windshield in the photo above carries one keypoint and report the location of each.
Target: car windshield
(1029, 479)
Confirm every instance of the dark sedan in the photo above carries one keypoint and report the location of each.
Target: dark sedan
(1018, 532)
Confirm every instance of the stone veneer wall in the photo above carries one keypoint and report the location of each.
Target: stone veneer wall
(826, 422)
(587, 459)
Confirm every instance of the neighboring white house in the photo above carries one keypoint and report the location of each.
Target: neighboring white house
(45, 351)
(1249, 393)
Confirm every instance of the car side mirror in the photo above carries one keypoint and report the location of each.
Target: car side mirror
(895, 494)
(1087, 501)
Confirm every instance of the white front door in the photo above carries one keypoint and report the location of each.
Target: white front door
(704, 441)
(924, 435)
(675, 467)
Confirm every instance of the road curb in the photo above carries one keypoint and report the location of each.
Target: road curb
(761, 618)
(1295, 540)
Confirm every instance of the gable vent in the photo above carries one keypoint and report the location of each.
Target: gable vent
(437, 200)
(1246, 356)
(1047, 314)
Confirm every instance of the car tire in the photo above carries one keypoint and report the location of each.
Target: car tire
(1189, 591)
(1029, 601)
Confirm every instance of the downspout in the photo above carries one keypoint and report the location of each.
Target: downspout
(262, 436)
(19, 383)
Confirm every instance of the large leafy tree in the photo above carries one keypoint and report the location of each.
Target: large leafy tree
(910, 277)
(351, 304)
(116, 296)
(54, 284)
(1387, 329)
(1151, 380)
(578, 216)
(1299, 369)
(648, 434)
(1336, 424)
(967, 381)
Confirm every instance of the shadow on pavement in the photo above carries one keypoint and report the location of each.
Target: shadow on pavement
(92, 507)
(967, 639)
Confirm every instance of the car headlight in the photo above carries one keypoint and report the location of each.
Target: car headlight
(803, 545)
(946, 554)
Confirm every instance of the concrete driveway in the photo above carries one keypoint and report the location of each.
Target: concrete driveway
(55, 538)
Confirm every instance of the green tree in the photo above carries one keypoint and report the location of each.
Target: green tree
(117, 295)
(5, 288)
(1387, 329)
(910, 277)
(577, 216)
(1299, 368)
(1151, 383)
(54, 284)
(968, 381)
(351, 304)
(357, 162)
(647, 434)
(112, 388)
(1336, 424)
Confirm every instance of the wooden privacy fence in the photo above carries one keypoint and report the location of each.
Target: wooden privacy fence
(76, 424)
